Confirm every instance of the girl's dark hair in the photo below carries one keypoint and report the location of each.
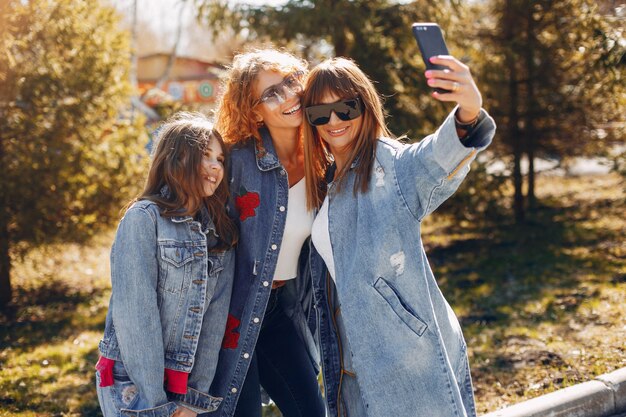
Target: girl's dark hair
(176, 163)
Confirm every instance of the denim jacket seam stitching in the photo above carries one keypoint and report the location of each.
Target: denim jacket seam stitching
(397, 181)
(146, 211)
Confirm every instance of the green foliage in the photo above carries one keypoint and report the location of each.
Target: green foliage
(68, 158)
(568, 74)
(481, 197)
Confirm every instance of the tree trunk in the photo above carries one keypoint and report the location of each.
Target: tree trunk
(5, 264)
(172, 58)
(530, 194)
(5, 240)
(531, 104)
(513, 123)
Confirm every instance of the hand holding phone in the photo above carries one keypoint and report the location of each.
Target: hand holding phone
(450, 78)
(430, 41)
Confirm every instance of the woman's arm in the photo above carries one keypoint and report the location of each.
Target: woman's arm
(136, 319)
(429, 172)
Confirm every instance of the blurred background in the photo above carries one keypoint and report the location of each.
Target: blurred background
(530, 252)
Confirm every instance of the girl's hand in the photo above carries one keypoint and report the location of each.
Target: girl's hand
(458, 80)
(184, 412)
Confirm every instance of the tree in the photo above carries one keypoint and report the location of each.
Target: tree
(68, 158)
(375, 33)
(554, 73)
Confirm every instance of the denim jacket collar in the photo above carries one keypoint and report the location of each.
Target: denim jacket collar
(266, 158)
(205, 220)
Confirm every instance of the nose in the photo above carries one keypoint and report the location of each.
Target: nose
(214, 166)
(333, 118)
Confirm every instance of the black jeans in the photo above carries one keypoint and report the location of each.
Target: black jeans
(281, 364)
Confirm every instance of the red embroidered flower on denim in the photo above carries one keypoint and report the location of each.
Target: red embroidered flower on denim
(231, 338)
(246, 202)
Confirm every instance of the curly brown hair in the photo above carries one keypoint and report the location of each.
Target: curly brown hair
(235, 116)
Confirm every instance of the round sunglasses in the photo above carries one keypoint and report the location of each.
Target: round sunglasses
(276, 94)
(345, 110)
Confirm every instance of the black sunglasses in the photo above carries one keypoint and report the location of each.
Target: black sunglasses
(345, 110)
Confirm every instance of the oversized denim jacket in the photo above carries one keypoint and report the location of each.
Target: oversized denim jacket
(406, 347)
(259, 189)
(168, 306)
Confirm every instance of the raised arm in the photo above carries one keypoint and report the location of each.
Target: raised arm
(431, 170)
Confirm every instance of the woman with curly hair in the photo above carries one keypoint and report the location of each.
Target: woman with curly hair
(269, 341)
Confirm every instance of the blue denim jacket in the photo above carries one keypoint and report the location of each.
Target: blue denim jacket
(405, 347)
(259, 190)
(168, 306)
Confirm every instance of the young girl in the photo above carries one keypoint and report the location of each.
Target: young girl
(172, 266)
(391, 344)
(270, 339)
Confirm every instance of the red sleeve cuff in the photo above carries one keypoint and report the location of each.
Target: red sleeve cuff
(105, 369)
(176, 381)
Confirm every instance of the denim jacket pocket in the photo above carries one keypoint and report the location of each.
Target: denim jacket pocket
(175, 253)
(165, 410)
(174, 259)
(399, 307)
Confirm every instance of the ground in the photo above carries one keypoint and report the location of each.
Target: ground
(541, 305)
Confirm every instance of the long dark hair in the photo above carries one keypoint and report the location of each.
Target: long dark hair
(176, 163)
(343, 78)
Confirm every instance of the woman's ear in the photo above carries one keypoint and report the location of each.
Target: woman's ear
(256, 116)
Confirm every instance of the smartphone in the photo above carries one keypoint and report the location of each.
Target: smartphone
(430, 41)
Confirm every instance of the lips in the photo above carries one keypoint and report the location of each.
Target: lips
(293, 109)
(337, 132)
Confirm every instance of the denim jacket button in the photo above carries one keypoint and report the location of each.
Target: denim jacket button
(197, 281)
(274, 247)
(281, 208)
(265, 283)
(199, 254)
(256, 320)
(283, 172)
(233, 390)
(246, 355)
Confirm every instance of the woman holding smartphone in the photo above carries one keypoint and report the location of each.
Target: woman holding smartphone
(391, 345)
(269, 340)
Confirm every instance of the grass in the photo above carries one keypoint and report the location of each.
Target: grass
(541, 306)
(48, 341)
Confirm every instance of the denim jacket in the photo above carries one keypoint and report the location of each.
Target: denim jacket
(168, 307)
(406, 348)
(259, 191)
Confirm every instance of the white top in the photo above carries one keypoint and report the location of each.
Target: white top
(321, 238)
(297, 228)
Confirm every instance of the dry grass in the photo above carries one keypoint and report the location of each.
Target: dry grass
(541, 306)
